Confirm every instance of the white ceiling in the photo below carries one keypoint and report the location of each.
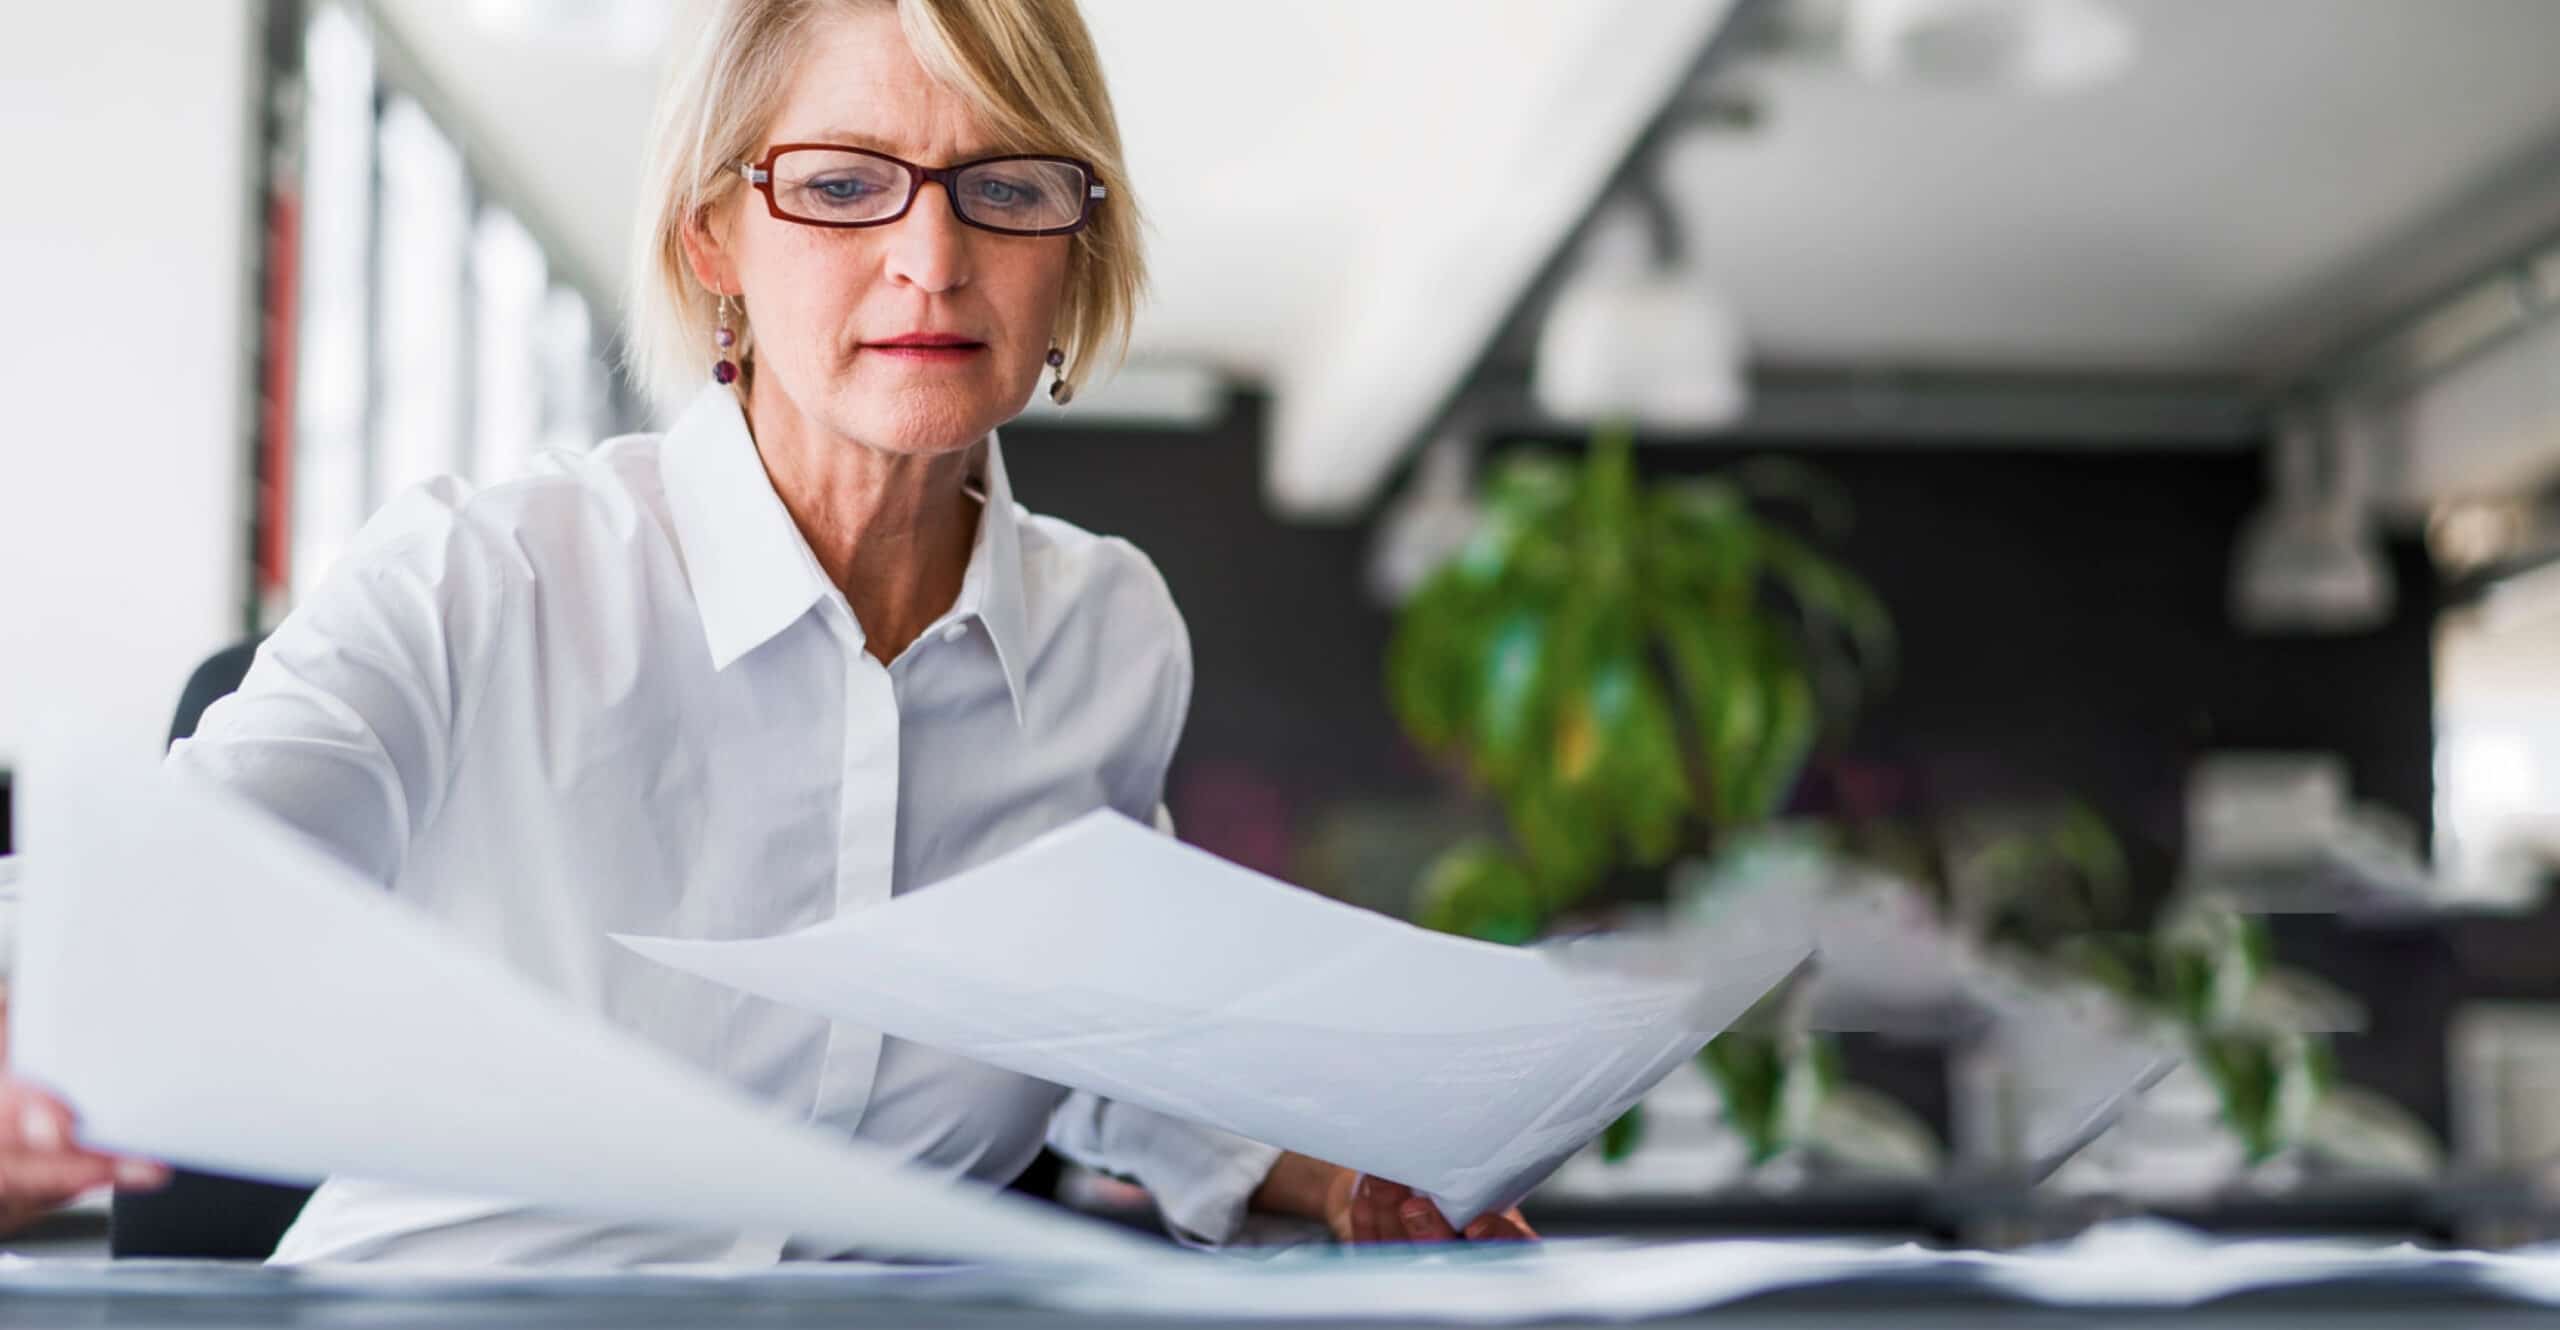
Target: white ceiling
(2219, 209)
(1347, 195)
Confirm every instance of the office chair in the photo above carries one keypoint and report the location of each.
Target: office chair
(209, 1215)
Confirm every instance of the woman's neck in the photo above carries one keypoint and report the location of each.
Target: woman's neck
(892, 530)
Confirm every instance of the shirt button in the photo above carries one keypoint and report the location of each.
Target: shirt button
(954, 632)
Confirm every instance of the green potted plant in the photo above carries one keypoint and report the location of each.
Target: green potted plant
(1632, 672)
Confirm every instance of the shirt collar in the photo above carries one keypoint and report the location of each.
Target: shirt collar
(751, 570)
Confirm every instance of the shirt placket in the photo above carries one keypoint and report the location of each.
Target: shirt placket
(866, 854)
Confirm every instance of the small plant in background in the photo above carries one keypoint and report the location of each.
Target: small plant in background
(1632, 672)
(2258, 1033)
(2046, 887)
(2030, 878)
(2024, 878)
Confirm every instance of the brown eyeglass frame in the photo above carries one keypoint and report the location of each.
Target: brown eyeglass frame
(760, 176)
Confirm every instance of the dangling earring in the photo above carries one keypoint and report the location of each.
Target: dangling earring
(1060, 391)
(724, 370)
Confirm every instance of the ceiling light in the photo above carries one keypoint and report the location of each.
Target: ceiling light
(2309, 562)
(2044, 45)
(1641, 339)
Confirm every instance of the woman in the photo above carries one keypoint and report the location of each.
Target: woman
(798, 654)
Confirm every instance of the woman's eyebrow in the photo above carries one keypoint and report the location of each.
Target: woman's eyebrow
(854, 138)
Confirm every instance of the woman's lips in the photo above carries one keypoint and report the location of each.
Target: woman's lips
(927, 353)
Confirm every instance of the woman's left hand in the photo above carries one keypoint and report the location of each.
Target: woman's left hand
(1360, 1208)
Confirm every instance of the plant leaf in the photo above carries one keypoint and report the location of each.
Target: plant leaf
(1621, 1137)
(1831, 596)
(1793, 722)
(1476, 890)
(1632, 776)
(1726, 699)
(1512, 703)
(1704, 551)
(1431, 675)
(1566, 847)
(1823, 500)
(1608, 524)
(1749, 1070)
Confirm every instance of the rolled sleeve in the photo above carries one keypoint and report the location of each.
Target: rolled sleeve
(1202, 1179)
(346, 724)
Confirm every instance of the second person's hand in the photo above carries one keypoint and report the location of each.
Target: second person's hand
(1361, 1209)
(42, 1163)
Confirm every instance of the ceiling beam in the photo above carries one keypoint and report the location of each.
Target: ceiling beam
(2398, 309)
(1438, 314)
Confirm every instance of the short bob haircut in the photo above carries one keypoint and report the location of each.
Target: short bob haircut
(1028, 69)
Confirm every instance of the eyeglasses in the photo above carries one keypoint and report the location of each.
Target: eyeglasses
(820, 184)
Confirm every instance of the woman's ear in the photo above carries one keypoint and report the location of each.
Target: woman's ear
(706, 251)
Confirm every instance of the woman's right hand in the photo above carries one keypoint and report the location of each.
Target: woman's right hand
(42, 1163)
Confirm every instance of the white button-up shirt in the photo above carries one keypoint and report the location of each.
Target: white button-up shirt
(620, 695)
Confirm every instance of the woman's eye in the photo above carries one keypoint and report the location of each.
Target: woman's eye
(1007, 194)
(842, 189)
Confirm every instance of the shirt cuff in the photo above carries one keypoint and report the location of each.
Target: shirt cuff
(1202, 1179)
(1206, 1203)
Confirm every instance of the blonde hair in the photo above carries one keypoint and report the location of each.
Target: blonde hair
(1026, 67)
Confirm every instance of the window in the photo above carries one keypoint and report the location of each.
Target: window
(430, 332)
(2498, 740)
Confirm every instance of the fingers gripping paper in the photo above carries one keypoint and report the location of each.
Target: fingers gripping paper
(1112, 959)
(205, 987)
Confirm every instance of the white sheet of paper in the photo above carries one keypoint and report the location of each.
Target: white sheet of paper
(206, 987)
(2152, 1263)
(1109, 958)
(1489, 1284)
(1578, 1280)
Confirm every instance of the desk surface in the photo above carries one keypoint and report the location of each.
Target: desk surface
(2333, 1309)
(58, 1275)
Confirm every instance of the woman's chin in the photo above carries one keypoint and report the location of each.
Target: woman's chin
(918, 421)
(902, 411)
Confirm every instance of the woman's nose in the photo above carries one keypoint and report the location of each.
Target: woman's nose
(929, 247)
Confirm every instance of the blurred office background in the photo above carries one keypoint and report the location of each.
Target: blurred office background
(2179, 378)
